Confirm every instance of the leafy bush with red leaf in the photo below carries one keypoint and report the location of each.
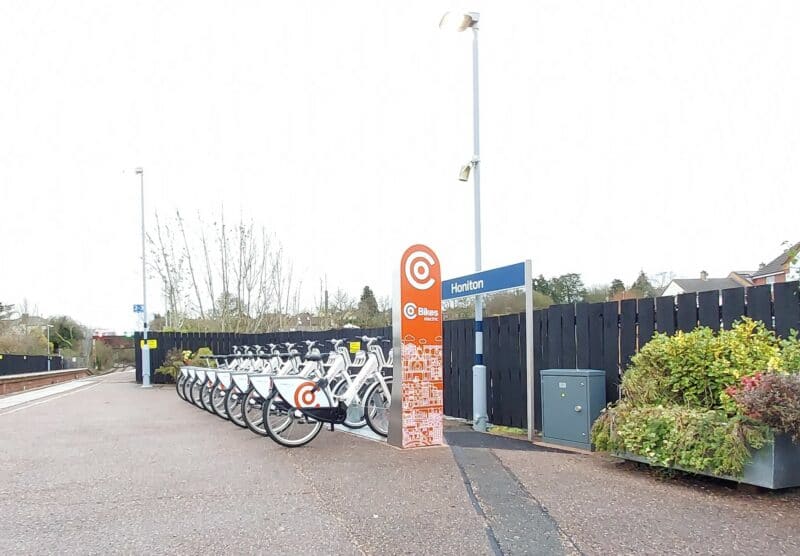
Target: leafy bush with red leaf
(772, 399)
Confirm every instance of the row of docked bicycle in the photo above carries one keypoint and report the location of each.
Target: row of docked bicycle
(279, 392)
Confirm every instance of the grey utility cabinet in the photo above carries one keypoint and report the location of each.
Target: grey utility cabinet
(571, 401)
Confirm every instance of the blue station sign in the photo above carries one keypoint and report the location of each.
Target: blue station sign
(487, 281)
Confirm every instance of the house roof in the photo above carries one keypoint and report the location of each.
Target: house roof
(699, 285)
(777, 265)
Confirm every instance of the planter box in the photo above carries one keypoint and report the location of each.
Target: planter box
(774, 466)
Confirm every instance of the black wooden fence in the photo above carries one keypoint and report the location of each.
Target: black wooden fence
(595, 336)
(223, 342)
(585, 335)
(12, 364)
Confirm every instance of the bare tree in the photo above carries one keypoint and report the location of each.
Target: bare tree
(169, 266)
(209, 273)
(189, 261)
(249, 269)
(661, 280)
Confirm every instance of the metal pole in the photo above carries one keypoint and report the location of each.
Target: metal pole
(479, 416)
(529, 373)
(145, 348)
(48, 347)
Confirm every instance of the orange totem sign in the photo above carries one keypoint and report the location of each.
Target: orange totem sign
(417, 401)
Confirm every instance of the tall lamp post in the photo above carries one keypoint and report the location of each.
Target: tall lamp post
(457, 21)
(145, 347)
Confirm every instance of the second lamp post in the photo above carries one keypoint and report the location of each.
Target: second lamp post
(460, 22)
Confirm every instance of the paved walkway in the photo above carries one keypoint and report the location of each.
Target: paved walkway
(108, 467)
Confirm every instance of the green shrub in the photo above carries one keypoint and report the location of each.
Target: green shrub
(686, 399)
(102, 356)
(790, 353)
(198, 358)
(172, 363)
(694, 368)
(675, 436)
(175, 359)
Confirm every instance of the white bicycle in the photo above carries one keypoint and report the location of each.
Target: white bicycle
(297, 407)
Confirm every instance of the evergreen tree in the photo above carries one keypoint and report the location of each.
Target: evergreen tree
(642, 286)
(367, 313)
(617, 286)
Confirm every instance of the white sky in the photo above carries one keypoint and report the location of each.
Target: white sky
(616, 136)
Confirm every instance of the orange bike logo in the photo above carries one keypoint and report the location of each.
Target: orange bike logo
(305, 395)
(417, 268)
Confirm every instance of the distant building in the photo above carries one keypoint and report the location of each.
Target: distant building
(702, 284)
(114, 341)
(306, 322)
(781, 269)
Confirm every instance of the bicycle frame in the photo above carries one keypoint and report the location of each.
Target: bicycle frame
(317, 401)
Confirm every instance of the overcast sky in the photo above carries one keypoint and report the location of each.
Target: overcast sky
(616, 136)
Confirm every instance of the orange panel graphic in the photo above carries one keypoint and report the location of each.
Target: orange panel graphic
(421, 355)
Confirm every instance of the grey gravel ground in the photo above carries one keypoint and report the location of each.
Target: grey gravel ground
(611, 507)
(113, 468)
(118, 469)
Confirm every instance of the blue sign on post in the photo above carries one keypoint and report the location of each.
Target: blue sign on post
(496, 279)
(138, 308)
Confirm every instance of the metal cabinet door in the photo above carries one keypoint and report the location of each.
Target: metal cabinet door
(565, 411)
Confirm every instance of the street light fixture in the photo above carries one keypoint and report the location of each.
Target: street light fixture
(461, 21)
(145, 348)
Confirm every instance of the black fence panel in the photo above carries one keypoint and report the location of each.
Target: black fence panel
(582, 335)
(554, 335)
(15, 364)
(611, 349)
(596, 335)
(759, 304)
(787, 309)
(732, 306)
(504, 342)
(708, 309)
(687, 312)
(539, 362)
(647, 320)
(665, 315)
(495, 371)
(459, 349)
(627, 330)
(568, 351)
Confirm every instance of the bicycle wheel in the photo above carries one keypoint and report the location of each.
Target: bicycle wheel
(218, 402)
(253, 412)
(187, 385)
(377, 401)
(233, 407)
(287, 426)
(205, 398)
(355, 412)
(179, 385)
(195, 392)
